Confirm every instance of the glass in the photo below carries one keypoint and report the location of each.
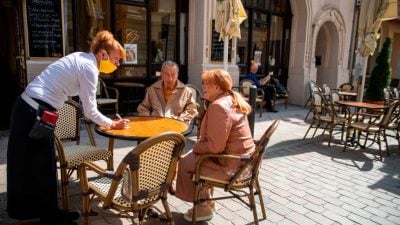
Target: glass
(279, 6)
(260, 31)
(163, 30)
(275, 42)
(131, 29)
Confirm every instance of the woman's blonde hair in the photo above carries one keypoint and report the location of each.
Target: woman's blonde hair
(104, 40)
(223, 80)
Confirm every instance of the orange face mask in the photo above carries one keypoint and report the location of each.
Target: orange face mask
(106, 66)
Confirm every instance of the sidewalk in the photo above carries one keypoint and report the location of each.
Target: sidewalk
(303, 181)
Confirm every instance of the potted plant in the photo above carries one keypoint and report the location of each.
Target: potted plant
(381, 74)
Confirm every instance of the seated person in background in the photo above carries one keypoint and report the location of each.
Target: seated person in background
(224, 129)
(279, 88)
(260, 83)
(169, 97)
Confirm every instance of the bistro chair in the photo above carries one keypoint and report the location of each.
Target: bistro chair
(311, 84)
(325, 114)
(378, 129)
(246, 177)
(70, 153)
(313, 88)
(348, 87)
(326, 90)
(104, 96)
(198, 98)
(142, 178)
(244, 89)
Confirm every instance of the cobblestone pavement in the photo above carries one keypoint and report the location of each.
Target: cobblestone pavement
(303, 181)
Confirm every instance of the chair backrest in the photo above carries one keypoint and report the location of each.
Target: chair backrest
(348, 87)
(101, 90)
(387, 94)
(387, 116)
(318, 103)
(395, 93)
(335, 97)
(249, 171)
(149, 169)
(245, 85)
(68, 123)
(196, 95)
(326, 89)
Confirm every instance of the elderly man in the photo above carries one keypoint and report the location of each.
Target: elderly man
(261, 83)
(169, 97)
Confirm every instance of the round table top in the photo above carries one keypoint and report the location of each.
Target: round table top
(143, 127)
(347, 93)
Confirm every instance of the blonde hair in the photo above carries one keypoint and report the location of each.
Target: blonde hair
(223, 80)
(104, 40)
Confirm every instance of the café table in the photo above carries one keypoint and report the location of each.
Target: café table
(357, 107)
(139, 129)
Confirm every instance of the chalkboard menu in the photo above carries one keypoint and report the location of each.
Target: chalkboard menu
(44, 28)
(217, 46)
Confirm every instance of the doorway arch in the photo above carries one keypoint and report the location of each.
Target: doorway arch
(328, 47)
(326, 55)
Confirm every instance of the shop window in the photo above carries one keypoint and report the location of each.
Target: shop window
(163, 32)
(131, 30)
(275, 43)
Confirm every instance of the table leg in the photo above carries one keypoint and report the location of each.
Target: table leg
(110, 163)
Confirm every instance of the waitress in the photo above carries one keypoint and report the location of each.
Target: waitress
(31, 164)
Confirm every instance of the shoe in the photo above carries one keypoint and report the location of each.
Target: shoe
(204, 213)
(152, 213)
(272, 110)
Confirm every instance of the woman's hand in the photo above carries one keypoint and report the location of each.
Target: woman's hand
(120, 123)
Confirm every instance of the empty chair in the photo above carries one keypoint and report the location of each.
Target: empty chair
(244, 89)
(198, 98)
(104, 97)
(348, 87)
(142, 179)
(72, 155)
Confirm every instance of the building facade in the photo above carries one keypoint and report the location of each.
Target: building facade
(295, 40)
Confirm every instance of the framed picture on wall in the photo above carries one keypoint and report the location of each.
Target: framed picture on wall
(131, 53)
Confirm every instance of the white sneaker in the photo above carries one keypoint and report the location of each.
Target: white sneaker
(203, 214)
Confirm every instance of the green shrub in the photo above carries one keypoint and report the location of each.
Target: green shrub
(381, 74)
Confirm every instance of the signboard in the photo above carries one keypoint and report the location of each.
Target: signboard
(44, 28)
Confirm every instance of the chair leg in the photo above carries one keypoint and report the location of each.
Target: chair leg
(196, 202)
(261, 199)
(385, 139)
(85, 209)
(309, 128)
(64, 187)
(380, 147)
(168, 212)
(346, 139)
(308, 113)
(253, 205)
(330, 135)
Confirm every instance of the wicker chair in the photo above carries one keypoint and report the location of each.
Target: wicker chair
(245, 177)
(346, 87)
(72, 155)
(378, 129)
(104, 98)
(244, 89)
(198, 98)
(325, 114)
(142, 178)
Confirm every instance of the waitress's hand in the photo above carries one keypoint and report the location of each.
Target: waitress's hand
(120, 123)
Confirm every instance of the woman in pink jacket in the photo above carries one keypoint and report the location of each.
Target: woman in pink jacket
(224, 129)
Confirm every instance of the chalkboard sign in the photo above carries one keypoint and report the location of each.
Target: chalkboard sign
(44, 28)
(217, 46)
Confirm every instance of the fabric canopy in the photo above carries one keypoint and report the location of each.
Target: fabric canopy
(229, 15)
(373, 12)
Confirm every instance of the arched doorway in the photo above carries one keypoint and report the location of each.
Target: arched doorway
(326, 55)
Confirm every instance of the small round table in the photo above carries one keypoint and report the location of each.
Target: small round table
(140, 128)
